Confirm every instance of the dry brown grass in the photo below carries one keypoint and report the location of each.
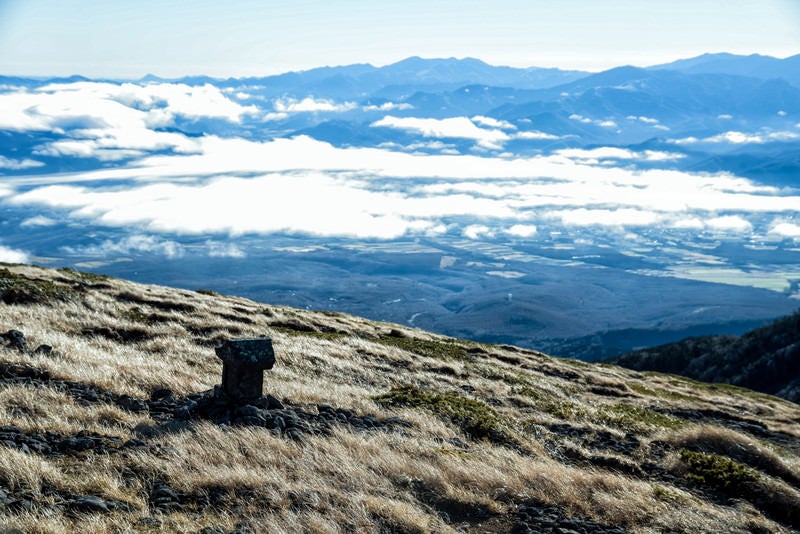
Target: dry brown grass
(360, 481)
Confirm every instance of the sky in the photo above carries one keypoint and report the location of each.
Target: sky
(170, 38)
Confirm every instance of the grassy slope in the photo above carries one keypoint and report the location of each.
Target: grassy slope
(644, 451)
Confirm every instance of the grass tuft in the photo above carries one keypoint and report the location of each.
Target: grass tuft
(19, 289)
(476, 419)
(445, 349)
(718, 472)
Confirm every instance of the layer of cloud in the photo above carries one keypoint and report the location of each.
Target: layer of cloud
(522, 230)
(595, 155)
(93, 105)
(487, 132)
(134, 244)
(491, 122)
(38, 221)
(301, 185)
(388, 106)
(785, 229)
(604, 123)
(741, 138)
(19, 164)
(113, 121)
(310, 104)
(453, 127)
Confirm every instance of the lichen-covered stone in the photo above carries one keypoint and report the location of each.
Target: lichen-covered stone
(255, 351)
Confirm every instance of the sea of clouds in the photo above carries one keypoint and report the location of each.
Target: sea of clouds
(152, 179)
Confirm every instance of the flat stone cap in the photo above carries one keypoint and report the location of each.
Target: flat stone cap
(255, 351)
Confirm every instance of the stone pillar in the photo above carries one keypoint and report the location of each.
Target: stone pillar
(243, 365)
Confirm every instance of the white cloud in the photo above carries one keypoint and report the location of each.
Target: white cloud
(16, 164)
(10, 255)
(607, 217)
(607, 123)
(388, 106)
(580, 118)
(224, 250)
(725, 116)
(535, 134)
(785, 229)
(114, 121)
(522, 230)
(310, 104)
(733, 223)
(740, 138)
(135, 244)
(594, 155)
(275, 116)
(38, 220)
(491, 122)
(476, 231)
(692, 223)
(301, 185)
(453, 127)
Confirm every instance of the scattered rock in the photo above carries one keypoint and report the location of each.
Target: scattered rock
(15, 339)
(163, 498)
(88, 504)
(43, 349)
(269, 412)
(534, 518)
(160, 393)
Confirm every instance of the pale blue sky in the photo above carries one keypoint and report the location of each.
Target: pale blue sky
(123, 38)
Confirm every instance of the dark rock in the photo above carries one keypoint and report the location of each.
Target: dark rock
(457, 442)
(88, 503)
(248, 411)
(294, 434)
(43, 349)
(164, 498)
(243, 365)
(211, 530)
(15, 339)
(160, 394)
(132, 404)
(273, 403)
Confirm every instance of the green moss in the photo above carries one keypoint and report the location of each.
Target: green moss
(136, 315)
(475, 418)
(330, 336)
(633, 418)
(661, 393)
(446, 349)
(718, 472)
(494, 373)
(19, 289)
(575, 363)
(207, 292)
(667, 495)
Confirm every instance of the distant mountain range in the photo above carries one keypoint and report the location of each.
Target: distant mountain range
(416, 71)
(766, 359)
(526, 251)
